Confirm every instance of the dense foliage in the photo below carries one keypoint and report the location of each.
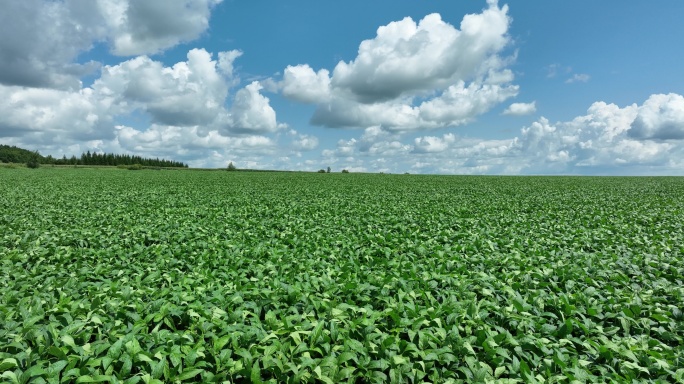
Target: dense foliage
(13, 154)
(112, 276)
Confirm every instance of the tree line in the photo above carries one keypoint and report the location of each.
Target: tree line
(13, 154)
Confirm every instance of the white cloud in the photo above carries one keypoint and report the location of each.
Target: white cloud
(660, 117)
(301, 83)
(598, 139)
(189, 93)
(305, 142)
(226, 60)
(459, 104)
(413, 76)
(151, 26)
(185, 103)
(406, 57)
(578, 77)
(375, 139)
(251, 112)
(456, 105)
(431, 144)
(375, 143)
(521, 109)
(161, 138)
(46, 115)
(192, 145)
(601, 141)
(42, 38)
(553, 70)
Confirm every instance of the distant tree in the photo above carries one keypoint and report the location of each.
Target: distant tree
(19, 155)
(345, 171)
(321, 171)
(328, 169)
(231, 167)
(15, 154)
(34, 161)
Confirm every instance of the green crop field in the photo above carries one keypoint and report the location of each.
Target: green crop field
(110, 275)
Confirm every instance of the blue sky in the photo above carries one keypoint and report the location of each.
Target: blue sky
(476, 87)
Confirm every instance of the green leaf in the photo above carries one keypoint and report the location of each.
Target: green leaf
(133, 380)
(143, 357)
(70, 373)
(125, 358)
(57, 352)
(68, 340)
(33, 371)
(55, 368)
(316, 333)
(94, 379)
(190, 373)
(399, 360)
(525, 371)
(635, 366)
(8, 363)
(255, 373)
(115, 350)
(346, 356)
(221, 342)
(11, 376)
(158, 368)
(380, 364)
(106, 362)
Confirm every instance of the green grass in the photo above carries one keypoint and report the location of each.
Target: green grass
(115, 276)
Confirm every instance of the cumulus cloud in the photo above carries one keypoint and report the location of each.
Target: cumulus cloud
(406, 56)
(413, 76)
(188, 93)
(375, 143)
(303, 142)
(151, 26)
(49, 115)
(225, 62)
(42, 38)
(459, 104)
(251, 112)
(301, 83)
(171, 139)
(456, 105)
(185, 104)
(431, 144)
(607, 139)
(379, 142)
(521, 109)
(598, 139)
(660, 117)
(192, 145)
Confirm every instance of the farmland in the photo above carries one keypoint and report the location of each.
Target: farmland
(110, 275)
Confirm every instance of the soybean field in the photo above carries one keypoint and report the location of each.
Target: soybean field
(117, 276)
